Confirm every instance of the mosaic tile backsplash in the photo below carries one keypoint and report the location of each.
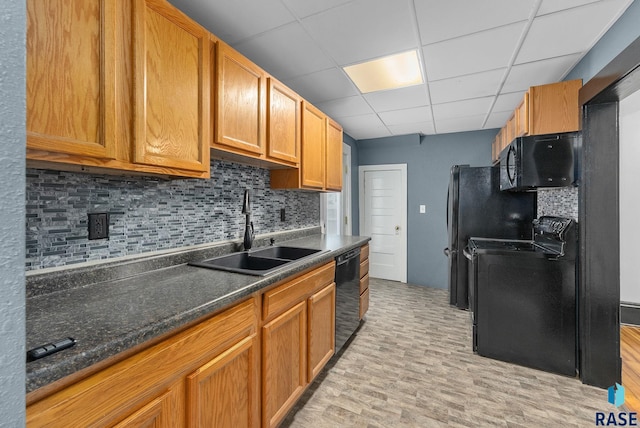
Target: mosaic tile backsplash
(148, 214)
(561, 202)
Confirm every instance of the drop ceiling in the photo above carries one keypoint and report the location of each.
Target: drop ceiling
(478, 57)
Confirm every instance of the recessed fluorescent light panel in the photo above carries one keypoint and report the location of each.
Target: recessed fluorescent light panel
(390, 72)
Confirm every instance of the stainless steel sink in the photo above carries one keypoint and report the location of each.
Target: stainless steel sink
(259, 262)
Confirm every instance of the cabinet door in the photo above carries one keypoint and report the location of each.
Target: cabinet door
(284, 363)
(510, 130)
(71, 106)
(522, 117)
(240, 103)
(554, 107)
(364, 303)
(313, 147)
(158, 413)
(333, 168)
(322, 329)
(223, 392)
(172, 78)
(283, 124)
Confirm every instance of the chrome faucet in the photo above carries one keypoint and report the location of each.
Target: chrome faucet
(248, 230)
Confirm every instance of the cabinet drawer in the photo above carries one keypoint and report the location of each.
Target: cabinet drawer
(283, 297)
(364, 283)
(364, 303)
(364, 268)
(364, 253)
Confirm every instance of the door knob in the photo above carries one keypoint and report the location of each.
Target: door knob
(397, 229)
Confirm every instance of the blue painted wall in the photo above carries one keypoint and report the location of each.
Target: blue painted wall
(620, 35)
(12, 214)
(429, 160)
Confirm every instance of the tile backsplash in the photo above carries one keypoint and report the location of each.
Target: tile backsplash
(148, 213)
(562, 202)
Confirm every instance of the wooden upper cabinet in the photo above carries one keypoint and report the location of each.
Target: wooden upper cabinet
(312, 168)
(333, 167)
(172, 78)
(283, 124)
(117, 86)
(321, 161)
(554, 108)
(544, 109)
(522, 116)
(71, 73)
(240, 103)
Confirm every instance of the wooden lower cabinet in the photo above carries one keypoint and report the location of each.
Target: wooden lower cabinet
(244, 367)
(298, 339)
(158, 413)
(190, 379)
(284, 363)
(222, 393)
(364, 280)
(322, 329)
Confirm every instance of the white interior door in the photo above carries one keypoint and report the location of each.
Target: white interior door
(383, 217)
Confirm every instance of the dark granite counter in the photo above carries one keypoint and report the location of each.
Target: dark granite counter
(113, 315)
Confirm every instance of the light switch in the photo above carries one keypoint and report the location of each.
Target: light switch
(423, 209)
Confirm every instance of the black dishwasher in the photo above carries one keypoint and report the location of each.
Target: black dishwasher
(347, 296)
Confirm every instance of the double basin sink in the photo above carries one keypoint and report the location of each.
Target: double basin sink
(258, 262)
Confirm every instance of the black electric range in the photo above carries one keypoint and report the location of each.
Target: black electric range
(523, 297)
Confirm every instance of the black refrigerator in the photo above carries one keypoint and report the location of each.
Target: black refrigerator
(476, 207)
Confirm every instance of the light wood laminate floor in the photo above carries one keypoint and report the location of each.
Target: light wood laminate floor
(411, 365)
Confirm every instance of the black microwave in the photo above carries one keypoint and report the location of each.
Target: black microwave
(536, 161)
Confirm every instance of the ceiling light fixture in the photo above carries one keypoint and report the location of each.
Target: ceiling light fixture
(389, 72)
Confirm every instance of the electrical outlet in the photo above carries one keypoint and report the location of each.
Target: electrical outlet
(98, 225)
(282, 214)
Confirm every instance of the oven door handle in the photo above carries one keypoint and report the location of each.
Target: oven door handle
(467, 253)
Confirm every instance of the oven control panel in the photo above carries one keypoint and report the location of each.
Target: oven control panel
(552, 225)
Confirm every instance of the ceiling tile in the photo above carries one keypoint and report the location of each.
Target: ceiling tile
(367, 133)
(353, 33)
(396, 99)
(441, 20)
(482, 51)
(349, 106)
(466, 87)
(297, 55)
(550, 6)
(425, 128)
(460, 124)
(498, 119)
(364, 126)
(304, 8)
(235, 20)
(508, 101)
(410, 115)
(462, 108)
(570, 31)
(522, 76)
(323, 86)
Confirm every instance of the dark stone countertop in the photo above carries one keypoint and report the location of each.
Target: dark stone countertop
(109, 317)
